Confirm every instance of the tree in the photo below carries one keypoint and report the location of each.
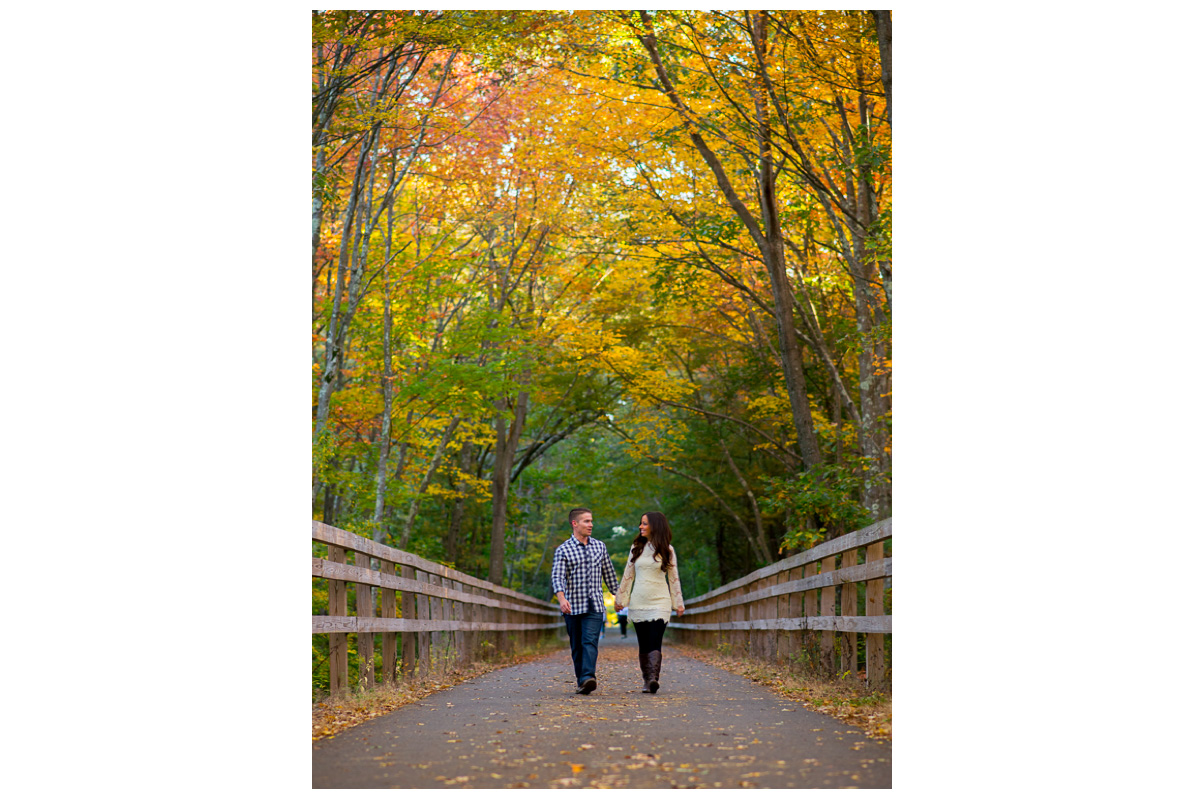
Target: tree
(553, 247)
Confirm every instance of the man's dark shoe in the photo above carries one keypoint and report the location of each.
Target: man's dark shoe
(588, 687)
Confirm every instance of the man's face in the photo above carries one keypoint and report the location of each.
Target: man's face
(583, 525)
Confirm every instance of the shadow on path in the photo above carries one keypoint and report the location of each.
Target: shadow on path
(524, 727)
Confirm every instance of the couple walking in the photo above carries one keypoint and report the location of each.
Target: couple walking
(649, 589)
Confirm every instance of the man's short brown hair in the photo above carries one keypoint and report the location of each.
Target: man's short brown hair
(576, 513)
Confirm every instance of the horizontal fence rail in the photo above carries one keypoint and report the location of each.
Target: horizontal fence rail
(836, 588)
(440, 616)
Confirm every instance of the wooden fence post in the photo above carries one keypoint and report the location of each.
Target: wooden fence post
(364, 608)
(496, 615)
(525, 637)
(727, 616)
(812, 608)
(447, 637)
(793, 606)
(875, 643)
(424, 641)
(744, 636)
(764, 613)
(753, 612)
(828, 601)
(773, 614)
(437, 638)
(408, 641)
(339, 646)
(849, 601)
(460, 637)
(452, 612)
(472, 615)
(387, 608)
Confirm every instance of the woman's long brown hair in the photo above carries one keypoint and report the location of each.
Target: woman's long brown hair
(660, 537)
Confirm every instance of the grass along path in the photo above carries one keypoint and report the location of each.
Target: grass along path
(847, 700)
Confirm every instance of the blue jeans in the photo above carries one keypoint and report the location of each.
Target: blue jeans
(584, 632)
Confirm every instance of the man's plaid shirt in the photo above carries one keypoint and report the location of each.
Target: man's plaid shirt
(577, 573)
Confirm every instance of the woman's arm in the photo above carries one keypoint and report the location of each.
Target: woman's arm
(673, 582)
(622, 598)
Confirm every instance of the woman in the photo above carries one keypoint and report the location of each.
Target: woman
(652, 573)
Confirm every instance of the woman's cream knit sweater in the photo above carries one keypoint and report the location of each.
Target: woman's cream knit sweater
(655, 593)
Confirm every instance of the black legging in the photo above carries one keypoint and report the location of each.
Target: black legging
(649, 634)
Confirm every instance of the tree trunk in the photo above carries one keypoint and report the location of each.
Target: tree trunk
(769, 240)
(318, 202)
(508, 435)
(883, 27)
(328, 511)
(339, 319)
(873, 352)
(385, 433)
(852, 221)
(353, 259)
(781, 288)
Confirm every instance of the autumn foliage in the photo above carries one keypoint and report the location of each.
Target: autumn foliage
(628, 260)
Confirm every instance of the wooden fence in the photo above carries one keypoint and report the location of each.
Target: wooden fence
(772, 613)
(442, 617)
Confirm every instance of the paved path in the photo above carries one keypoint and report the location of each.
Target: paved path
(524, 727)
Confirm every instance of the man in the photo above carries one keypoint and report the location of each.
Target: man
(580, 565)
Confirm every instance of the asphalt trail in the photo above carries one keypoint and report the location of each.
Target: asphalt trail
(524, 727)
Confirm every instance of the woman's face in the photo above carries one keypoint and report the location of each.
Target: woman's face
(644, 527)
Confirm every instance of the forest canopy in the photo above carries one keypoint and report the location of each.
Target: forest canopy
(627, 260)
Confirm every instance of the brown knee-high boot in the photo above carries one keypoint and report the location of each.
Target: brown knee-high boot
(654, 662)
(644, 662)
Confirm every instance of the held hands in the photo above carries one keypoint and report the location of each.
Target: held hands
(617, 605)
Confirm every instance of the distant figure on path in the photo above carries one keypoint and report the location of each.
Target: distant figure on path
(581, 568)
(652, 572)
(622, 616)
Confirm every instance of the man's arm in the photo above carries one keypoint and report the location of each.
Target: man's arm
(609, 573)
(563, 604)
(558, 580)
